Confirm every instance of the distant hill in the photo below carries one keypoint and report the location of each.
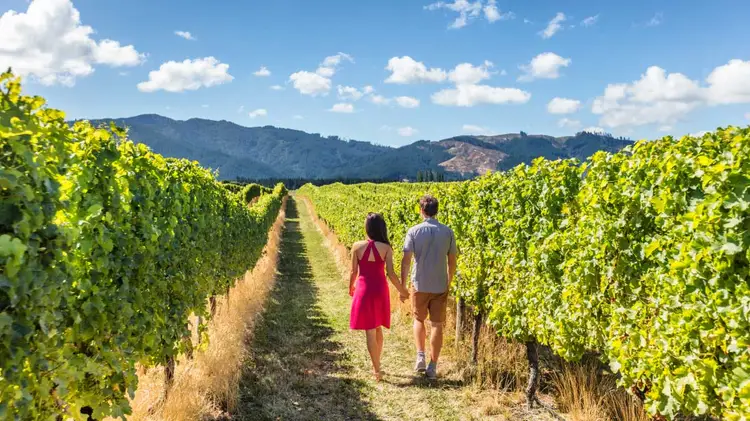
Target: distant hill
(272, 152)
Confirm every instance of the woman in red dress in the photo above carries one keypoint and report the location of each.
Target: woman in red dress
(371, 303)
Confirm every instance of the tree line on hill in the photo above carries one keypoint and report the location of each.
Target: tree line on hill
(295, 183)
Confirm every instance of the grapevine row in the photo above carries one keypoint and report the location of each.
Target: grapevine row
(641, 256)
(106, 249)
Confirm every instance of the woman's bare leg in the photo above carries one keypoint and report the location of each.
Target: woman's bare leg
(379, 337)
(373, 349)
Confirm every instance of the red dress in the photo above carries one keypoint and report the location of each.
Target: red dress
(371, 304)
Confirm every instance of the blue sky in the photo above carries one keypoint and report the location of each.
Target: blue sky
(418, 70)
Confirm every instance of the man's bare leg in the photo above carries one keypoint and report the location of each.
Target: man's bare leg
(436, 341)
(419, 335)
(419, 340)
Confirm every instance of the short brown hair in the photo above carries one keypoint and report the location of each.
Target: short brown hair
(429, 205)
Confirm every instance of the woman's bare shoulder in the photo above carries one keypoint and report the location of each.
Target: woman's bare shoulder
(358, 245)
(383, 246)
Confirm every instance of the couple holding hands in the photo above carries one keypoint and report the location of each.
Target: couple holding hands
(432, 246)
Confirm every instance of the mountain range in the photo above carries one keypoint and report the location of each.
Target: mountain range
(272, 152)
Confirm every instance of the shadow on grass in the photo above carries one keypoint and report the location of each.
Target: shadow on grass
(295, 366)
(422, 381)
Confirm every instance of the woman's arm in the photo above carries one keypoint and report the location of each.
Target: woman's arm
(393, 277)
(353, 272)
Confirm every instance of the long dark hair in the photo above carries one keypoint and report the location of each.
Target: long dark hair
(376, 228)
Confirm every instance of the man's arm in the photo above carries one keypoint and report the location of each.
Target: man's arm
(451, 269)
(406, 260)
(398, 283)
(452, 253)
(405, 267)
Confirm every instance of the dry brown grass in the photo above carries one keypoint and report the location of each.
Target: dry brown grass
(500, 364)
(207, 386)
(587, 394)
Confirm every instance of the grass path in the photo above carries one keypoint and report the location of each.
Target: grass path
(306, 364)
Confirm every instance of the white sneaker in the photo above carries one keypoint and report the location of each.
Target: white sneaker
(431, 371)
(421, 364)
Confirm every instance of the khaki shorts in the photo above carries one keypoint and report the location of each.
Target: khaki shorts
(424, 303)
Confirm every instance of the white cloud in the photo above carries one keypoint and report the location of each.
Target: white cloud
(185, 34)
(590, 21)
(664, 98)
(563, 106)
(342, 107)
(655, 85)
(262, 72)
(553, 26)
(665, 128)
(407, 131)
(348, 93)
(566, 122)
(298, 117)
(543, 66)
(112, 53)
(468, 10)
(379, 99)
(277, 87)
(241, 109)
(730, 83)
(407, 102)
(594, 129)
(656, 20)
(473, 129)
(308, 83)
(319, 83)
(187, 75)
(326, 72)
(405, 70)
(260, 112)
(471, 95)
(467, 73)
(331, 63)
(49, 43)
(699, 134)
(335, 60)
(368, 89)
(492, 14)
(527, 21)
(401, 101)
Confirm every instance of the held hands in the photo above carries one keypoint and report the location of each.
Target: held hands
(351, 290)
(403, 294)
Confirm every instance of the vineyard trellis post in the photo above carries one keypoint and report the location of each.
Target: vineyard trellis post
(532, 355)
(189, 348)
(212, 304)
(460, 305)
(478, 318)
(169, 368)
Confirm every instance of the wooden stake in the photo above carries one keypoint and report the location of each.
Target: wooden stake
(478, 318)
(533, 357)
